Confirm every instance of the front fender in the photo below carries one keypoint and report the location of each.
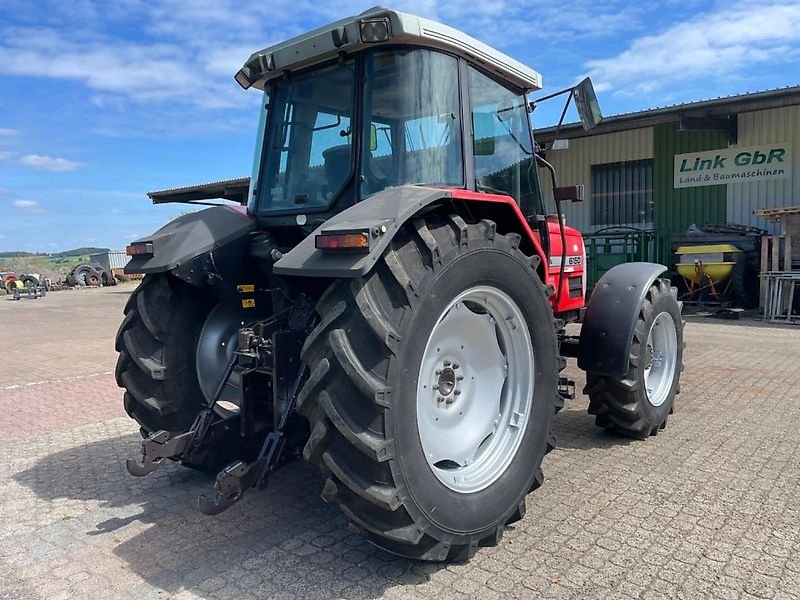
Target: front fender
(611, 315)
(384, 214)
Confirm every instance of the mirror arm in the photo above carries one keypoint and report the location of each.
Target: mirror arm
(563, 114)
(562, 232)
(553, 95)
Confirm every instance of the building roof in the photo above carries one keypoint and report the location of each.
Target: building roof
(227, 189)
(722, 106)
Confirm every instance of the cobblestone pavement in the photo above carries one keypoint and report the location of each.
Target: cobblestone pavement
(707, 509)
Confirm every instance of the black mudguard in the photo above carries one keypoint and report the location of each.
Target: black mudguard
(611, 316)
(210, 250)
(189, 236)
(382, 215)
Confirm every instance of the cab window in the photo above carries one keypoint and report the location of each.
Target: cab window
(412, 130)
(502, 140)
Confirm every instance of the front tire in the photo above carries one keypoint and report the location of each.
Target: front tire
(365, 397)
(638, 404)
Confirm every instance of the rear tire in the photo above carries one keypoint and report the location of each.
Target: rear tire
(625, 405)
(365, 360)
(157, 342)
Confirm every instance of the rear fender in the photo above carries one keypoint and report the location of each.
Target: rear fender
(382, 216)
(191, 235)
(210, 250)
(611, 316)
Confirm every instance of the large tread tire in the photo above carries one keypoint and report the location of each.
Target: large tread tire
(107, 279)
(156, 343)
(621, 405)
(364, 358)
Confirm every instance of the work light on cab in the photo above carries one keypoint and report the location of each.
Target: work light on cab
(375, 30)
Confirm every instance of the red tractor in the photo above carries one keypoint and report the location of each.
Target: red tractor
(392, 302)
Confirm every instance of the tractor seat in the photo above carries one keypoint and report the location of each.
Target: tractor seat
(338, 161)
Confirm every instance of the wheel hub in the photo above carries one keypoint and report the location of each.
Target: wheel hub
(447, 383)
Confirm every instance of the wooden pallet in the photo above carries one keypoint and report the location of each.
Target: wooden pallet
(776, 256)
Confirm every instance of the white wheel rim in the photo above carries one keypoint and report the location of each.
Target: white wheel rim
(661, 358)
(475, 389)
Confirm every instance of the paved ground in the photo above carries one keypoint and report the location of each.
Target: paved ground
(708, 508)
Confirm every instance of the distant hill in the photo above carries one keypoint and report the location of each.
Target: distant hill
(80, 252)
(66, 253)
(21, 254)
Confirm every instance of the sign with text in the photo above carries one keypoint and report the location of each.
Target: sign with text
(733, 165)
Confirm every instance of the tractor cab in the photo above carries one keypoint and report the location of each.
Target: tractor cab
(385, 100)
(398, 100)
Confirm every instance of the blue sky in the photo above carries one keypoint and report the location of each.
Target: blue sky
(103, 101)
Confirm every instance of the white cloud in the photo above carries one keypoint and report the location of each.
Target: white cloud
(4, 131)
(49, 163)
(190, 50)
(28, 205)
(157, 71)
(6, 155)
(725, 41)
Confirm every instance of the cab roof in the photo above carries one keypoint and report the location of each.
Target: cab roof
(345, 36)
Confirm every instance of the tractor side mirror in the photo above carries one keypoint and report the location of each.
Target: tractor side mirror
(587, 105)
(569, 193)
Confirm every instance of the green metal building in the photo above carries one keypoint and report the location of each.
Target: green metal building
(712, 162)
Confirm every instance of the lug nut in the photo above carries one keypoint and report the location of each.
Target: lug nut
(438, 371)
(457, 392)
(450, 400)
(459, 377)
(440, 399)
(447, 363)
(456, 365)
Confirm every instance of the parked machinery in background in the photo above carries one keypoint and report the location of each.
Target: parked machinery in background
(718, 265)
